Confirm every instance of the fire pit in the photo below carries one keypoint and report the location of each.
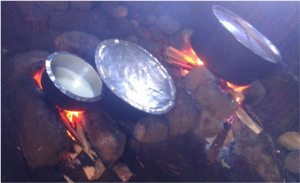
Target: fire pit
(164, 115)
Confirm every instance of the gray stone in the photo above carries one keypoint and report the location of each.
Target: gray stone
(181, 40)
(90, 22)
(81, 5)
(210, 96)
(121, 28)
(142, 32)
(196, 77)
(150, 129)
(76, 42)
(152, 47)
(104, 135)
(291, 161)
(43, 137)
(156, 34)
(123, 172)
(183, 117)
(109, 6)
(209, 126)
(255, 93)
(151, 19)
(120, 12)
(21, 62)
(55, 5)
(133, 39)
(135, 23)
(167, 25)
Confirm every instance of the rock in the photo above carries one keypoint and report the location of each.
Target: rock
(290, 140)
(135, 23)
(151, 19)
(120, 12)
(109, 6)
(55, 5)
(21, 62)
(167, 25)
(81, 5)
(181, 41)
(42, 136)
(76, 42)
(123, 172)
(121, 28)
(104, 135)
(152, 47)
(291, 161)
(150, 129)
(209, 126)
(133, 39)
(23, 27)
(156, 34)
(254, 94)
(142, 32)
(90, 22)
(210, 96)
(183, 117)
(196, 77)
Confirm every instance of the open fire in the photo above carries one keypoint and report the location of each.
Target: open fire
(72, 116)
(38, 77)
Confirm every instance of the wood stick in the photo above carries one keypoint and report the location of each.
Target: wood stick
(243, 116)
(179, 64)
(179, 56)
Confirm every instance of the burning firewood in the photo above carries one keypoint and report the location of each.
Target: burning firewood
(79, 135)
(180, 59)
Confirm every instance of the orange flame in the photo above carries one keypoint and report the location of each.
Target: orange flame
(72, 120)
(38, 77)
(70, 135)
(238, 89)
(198, 61)
(70, 115)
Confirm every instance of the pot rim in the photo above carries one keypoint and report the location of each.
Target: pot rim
(65, 91)
(269, 48)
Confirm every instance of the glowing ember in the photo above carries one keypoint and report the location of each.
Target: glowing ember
(70, 135)
(238, 89)
(238, 100)
(184, 72)
(38, 77)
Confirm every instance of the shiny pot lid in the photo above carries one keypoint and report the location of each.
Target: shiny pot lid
(135, 75)
(246, 34)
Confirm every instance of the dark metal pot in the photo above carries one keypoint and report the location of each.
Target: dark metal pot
(70, 82)
(233, 49)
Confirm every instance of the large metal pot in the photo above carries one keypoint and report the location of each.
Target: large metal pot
(234, 50)
(70, 82)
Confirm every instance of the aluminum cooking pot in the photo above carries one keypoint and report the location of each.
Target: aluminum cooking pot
(70, 82)
(234, 50)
